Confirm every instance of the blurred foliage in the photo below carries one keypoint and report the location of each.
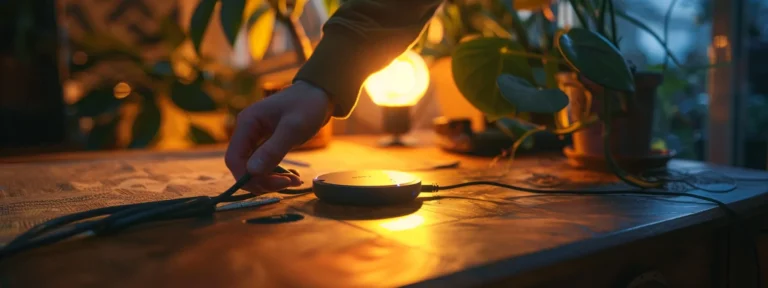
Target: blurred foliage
(234, 13)
(332, 5)
(679, 112)
(491, 38)
(198, 85)
(501, 62)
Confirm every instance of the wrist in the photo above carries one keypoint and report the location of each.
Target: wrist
(317, 91)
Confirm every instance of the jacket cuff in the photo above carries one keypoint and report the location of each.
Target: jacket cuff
(340, 66)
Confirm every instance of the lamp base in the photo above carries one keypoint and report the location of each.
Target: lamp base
(396, 120)
(397, 140)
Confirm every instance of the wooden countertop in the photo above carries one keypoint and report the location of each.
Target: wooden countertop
(463, 237)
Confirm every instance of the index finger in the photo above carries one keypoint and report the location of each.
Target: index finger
(248, 135)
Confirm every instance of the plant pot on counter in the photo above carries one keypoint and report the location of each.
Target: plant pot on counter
(630, 136)
(462, 128)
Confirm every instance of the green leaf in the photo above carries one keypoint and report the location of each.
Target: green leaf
(146, 126)
(452, 16)
(436, 52)
(103, 136)
(477, 63)
(601, 16)
(516, 129)
(199, 22)
(173, 34)
(97, 102)
(198, 135)
(163, 68)
(673, 83)
(527, 98)
(595, 58)
(576, 11)
(331, 6)
(231, 16)
(493, 28)
(551, 68)
(191, 97)
(261, 26)
(105, 45)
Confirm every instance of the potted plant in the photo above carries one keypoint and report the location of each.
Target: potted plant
(153, 92)
(460, 21)
(233, 16)
(585, 81)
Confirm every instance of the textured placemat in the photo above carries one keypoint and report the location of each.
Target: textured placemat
(33, 192)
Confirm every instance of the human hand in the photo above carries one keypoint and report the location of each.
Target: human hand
(281, 122)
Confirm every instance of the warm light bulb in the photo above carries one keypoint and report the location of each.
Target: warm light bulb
(403, 83)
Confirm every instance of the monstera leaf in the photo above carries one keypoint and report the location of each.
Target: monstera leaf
(231, 16)
(146, 126)
(477, 63)
(106, 46)
(96, 102)
(527, 98)
(595, 58)
(331, 6)
(198, 135)
(192, 97)
(261, 24)
(199, 22)
(172, 33)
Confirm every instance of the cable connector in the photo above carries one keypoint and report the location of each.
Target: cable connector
(430, 188)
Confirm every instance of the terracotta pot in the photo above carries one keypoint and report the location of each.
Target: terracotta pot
(631, 134)
(320, 140)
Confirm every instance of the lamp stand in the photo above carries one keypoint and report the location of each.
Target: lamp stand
(396, 122)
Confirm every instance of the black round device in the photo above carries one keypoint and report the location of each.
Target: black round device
(367, 187)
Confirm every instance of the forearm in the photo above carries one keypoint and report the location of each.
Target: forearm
(362, 37)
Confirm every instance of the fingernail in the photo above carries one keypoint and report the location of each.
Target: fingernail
(283, 181)
(256, 166)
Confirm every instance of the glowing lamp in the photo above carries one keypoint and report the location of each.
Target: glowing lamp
(397, 88)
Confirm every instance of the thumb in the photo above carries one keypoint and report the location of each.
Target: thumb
(269, 154)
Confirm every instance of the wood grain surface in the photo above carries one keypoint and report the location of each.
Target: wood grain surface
(464, 237)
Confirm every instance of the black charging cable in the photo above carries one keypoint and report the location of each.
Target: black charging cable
(124, 216)
(432, 188)
(733, 216)
(117, 218)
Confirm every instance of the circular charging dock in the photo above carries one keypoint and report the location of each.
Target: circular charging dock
(367, 187)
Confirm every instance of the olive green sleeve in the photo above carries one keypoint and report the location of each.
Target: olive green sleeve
(360, 38)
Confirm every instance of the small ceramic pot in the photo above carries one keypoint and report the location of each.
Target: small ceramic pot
(631, 133)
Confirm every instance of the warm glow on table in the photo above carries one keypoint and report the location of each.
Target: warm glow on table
(403, 83)
(403, 223)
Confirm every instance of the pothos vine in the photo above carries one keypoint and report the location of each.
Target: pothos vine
(606, 121)
(572, 46)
